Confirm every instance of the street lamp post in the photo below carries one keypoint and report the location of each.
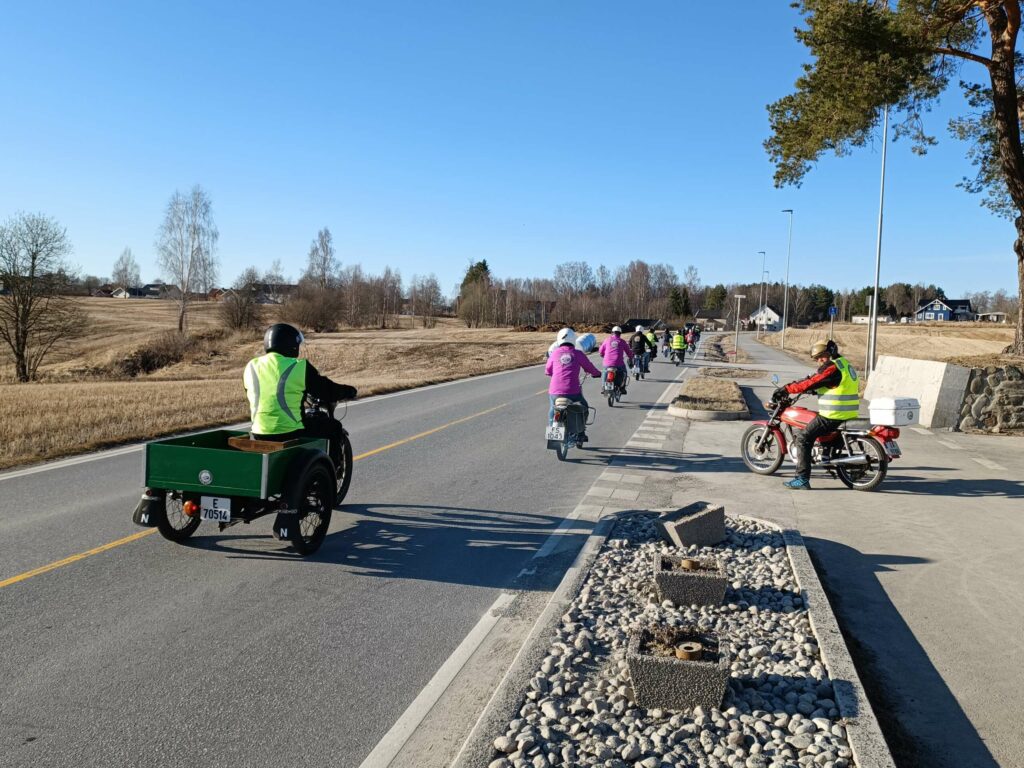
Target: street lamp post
(736, 356)
(873, 317)
(760, 298)
(785, 297)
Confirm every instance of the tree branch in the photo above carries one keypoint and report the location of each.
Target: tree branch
(983, 60)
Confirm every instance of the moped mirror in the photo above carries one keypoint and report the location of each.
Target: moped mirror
(775, 378)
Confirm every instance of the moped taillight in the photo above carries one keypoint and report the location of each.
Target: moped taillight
(558, 415)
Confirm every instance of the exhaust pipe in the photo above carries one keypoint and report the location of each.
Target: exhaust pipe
(847, 461)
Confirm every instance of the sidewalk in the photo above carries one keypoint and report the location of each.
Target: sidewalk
(924, 574)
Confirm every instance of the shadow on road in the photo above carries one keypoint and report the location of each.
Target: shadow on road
(477, 547)
(919, 715)
(960, 486)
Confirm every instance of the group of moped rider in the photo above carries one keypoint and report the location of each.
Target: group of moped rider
(277, 382)
(566, 362)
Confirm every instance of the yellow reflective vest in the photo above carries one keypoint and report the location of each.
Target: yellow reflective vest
(841, 402)
(678, 341)
(275, 385)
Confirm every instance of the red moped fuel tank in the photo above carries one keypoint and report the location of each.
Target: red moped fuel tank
(798, 417)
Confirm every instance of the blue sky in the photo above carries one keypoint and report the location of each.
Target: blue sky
(426, 135)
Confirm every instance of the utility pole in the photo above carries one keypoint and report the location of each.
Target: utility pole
(761, 298)
(785, 298)
(873, 319)
(739, 299)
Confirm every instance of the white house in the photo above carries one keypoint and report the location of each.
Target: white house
(766, 319)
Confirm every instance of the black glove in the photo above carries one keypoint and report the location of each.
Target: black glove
(780, 394)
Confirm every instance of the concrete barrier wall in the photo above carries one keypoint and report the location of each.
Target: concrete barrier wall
(939, 386)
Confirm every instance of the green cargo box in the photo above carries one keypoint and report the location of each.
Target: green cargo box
(205, 463)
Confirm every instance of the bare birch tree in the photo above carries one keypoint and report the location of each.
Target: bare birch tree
(35, 315)
(126, 271)
(322, 267)
(186, 247)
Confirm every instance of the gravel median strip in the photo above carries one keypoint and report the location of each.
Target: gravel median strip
(779, 707)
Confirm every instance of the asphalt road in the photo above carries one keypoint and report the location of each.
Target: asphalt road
(231, 650)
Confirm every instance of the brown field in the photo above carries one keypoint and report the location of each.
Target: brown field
(80, 405)
(970, 344)
(710, 394)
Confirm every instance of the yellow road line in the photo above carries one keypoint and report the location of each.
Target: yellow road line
(141, 534)
(74, 558)
(403, 441)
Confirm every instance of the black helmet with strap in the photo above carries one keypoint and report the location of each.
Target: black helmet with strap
(283, 339)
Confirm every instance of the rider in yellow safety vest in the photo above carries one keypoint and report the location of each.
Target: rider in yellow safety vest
(835, 382)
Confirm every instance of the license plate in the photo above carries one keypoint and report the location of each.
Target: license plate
(555, 432)
(892, 449)
(216, 508)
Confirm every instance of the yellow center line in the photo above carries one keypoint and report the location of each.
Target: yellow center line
(74, 558)
(403, 441)
(141, 534)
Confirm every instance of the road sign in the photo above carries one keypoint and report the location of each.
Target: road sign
(832, 312)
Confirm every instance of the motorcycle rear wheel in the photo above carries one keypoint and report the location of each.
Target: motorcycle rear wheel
(768, 461)
(563, 449)
(865, 478)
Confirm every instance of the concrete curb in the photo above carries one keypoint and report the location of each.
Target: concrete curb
(870, 749)
(506, 699)
(687, 413)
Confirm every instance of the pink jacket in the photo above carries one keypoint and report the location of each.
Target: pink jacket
(614, 351)
(564, 369)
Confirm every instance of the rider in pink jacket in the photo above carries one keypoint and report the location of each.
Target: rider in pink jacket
(614, 352)
(563, 367)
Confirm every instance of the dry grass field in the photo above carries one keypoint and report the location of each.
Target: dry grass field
(81, 403)
(970, 344)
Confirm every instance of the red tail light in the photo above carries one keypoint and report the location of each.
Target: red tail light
(611, 375)
(558, 415)
(190, 508)
(885, 433)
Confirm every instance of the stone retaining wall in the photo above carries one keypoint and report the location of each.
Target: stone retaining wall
(994, 400)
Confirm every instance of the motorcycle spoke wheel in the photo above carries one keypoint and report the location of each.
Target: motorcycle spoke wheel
(763, 461)
(869, 476)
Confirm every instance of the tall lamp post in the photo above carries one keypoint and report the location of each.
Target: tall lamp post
(760, 298)
(873, 318)
(785, 296)
(739, 298)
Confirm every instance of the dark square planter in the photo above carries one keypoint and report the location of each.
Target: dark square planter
(661, 681)
(702, 585)
(701, 524)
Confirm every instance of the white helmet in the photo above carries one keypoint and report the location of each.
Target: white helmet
(639, 329)
(616, 329)
(566, 336)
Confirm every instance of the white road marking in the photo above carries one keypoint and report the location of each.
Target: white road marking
(556, 538)
(922, 431)
(989, 464)
(389, 747)
(951, 445)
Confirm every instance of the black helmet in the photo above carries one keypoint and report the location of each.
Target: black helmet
(283, 339)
